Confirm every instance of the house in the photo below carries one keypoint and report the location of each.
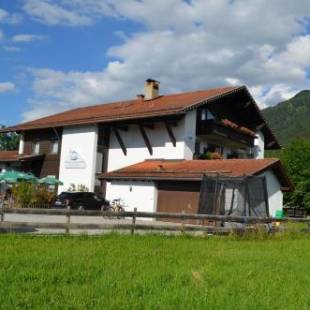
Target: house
(103, 146)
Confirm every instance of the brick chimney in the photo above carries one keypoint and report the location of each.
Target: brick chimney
(151, 89)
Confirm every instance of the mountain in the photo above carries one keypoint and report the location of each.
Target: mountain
(291, 118)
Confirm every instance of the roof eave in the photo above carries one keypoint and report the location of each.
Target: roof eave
(91, 121)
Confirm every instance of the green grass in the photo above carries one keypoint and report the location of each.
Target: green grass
(154, 272)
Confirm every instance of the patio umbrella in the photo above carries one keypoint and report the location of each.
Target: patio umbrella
(22, 176)
(12, 176)
(50, 181)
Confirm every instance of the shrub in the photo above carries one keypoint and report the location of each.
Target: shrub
(27, 195)
(43, 197)
(23, 194)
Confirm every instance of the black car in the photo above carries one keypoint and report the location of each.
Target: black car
(81, 201)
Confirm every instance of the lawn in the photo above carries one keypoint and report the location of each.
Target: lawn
(154, 272)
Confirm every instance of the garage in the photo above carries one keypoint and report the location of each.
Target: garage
(178, 196)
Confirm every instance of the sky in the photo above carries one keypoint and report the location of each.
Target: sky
(57, 55)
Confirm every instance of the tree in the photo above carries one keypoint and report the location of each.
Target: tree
(296, 158)
(9, 141)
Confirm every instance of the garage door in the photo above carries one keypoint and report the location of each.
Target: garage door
(178, 197)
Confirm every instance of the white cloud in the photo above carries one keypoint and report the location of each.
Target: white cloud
(47, 12)
(186, 45)
(1, 35)
(25, 38)
(6, 17)
(6, 87)
(268, 96)
(10, 48)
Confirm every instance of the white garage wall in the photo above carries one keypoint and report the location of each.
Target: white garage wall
(135, 194)
(82, 140)
(137, 151)
(275, 195)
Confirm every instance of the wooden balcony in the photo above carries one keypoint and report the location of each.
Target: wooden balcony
(220, 134)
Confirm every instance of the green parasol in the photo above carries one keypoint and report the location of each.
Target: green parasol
(49, 180)
(12, 176)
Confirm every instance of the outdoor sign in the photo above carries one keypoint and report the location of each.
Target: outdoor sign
(74, 161)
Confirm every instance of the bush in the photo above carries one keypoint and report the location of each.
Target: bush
(23, 194)
(43, 197)
(27, 195)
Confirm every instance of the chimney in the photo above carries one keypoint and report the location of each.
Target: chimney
(151, 89)
(140, 97)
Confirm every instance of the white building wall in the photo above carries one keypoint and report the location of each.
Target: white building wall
(259, 143)
(275, 195)
(162, 146)
(135, 194)
(81, 168)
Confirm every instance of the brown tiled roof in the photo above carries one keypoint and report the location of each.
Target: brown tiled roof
(8, 156)
(195, 169)
(125, 110)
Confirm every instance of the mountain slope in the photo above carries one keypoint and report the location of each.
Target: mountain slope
(290, 119)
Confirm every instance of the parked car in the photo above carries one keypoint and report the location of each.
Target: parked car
(81, 201)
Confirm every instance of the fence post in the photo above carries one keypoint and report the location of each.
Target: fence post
(68, 220)
(183, 222)
(134, 221)
(2, 211)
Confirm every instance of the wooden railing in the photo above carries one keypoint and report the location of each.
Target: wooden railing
(133, 224)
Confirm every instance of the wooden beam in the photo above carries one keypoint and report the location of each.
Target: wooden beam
(149, 125)
(259, 127)
(171, 134)
(271, 143)
(247, 104)
(146, 139)
(120, 140)
(123, 128)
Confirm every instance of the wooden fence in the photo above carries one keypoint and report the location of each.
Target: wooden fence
(132, 224)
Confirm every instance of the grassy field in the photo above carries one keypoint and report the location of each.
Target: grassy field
(154, 272)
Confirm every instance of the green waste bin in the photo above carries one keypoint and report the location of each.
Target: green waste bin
(279, 214)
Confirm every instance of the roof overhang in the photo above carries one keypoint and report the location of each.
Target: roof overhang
(188, 170)
(125, 114)
(20, 158)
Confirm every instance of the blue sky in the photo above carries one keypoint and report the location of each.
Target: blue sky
(61, 54)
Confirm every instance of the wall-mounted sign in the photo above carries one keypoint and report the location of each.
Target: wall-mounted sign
(74, 161)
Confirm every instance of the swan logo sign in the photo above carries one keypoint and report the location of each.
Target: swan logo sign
(74, 161)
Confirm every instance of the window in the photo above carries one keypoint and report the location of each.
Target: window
(54, 147)
(36, 147)
(204, 114)
(210, 116)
